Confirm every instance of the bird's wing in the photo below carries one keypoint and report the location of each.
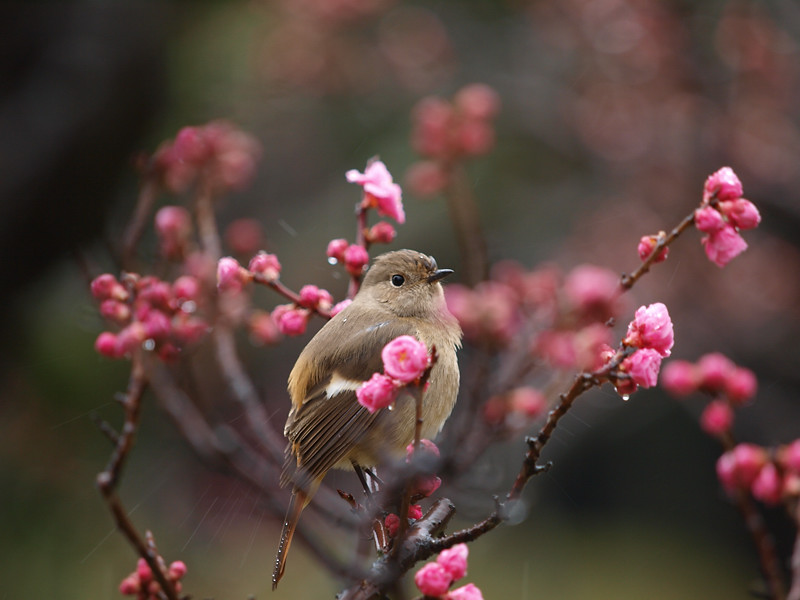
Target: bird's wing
(325, 426)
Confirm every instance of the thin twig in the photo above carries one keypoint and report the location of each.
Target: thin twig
(133, 233)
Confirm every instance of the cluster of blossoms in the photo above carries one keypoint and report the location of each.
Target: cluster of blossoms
(722, 214)
(715, 375)
(651, 334)
(770, 475)
(152, 314)
(405, 360)
(445, 132)
(562, 315)
(144, 586)
(435, 579)
(225, 156)
(423, 485)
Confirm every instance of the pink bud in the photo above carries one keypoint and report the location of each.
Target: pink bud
(593, 291)
(188, 329)
(156, 325)
(714, 370)
(229, 274)
(625, 387)
(741, 385)
(748, 461)
(527, 401)
(309, 296)
(355, 259)
(724, 245)
(425, 447)
(106, 345)
(680, 378)
(340, 306)
(652, 328)
(454, 560)
(717, 418)
(131, 338)
(726, 471)
(173, 222)
(115, 311)
(392, 524)
(708, 219)
(433, 580)
(477, 101)
(426, 178)
(143, 570)
(768, 485)
(741, 212)
(405, 358)
(177, 570)
(336, 249)
(557, 348)
(433, 118)
(106, 286)
(415, 512)
(191, 145)
(465, 592)
(156, 293)
(244, 236)
(643, 366)
(474, 137)
(381, 233)
(263, 328)
(378, 392)
(425, 485)
(724, 184)
(646, 246)
(292, 321)
(130, 586)
(265, 265)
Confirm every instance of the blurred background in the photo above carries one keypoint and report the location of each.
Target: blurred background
(613, 113)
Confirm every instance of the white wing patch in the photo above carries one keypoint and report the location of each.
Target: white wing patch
(339, 385)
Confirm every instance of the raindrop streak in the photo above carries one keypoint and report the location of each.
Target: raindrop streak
(252, 539)
(200, 523)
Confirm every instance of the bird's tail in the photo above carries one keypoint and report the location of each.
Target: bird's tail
(296, 505)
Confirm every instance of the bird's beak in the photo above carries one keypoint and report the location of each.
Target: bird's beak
(439, 274)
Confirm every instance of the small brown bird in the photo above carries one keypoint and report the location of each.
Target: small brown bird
(327, 427)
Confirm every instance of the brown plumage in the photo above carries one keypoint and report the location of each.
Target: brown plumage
(326, 427)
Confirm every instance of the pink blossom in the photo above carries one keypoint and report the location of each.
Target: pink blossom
(340, 306)
(106, 345)
(724, 184)
(130, 586)
(426, 485)
(380, 191)
(229, 274)
(717, 418)
(115, 311)
(680, 378)
(741, 212)
(425, 447)
(185, 288)
(724, 245)
(790, 456)
(355, 259)
(433, 118)
(748, 459)
(527, 401)
(768, 485)
(433, 579)
(263, 328)
(336, 249)
(646, 246)
(593, 291)
(415, 512)
(131, 338)
(381, 233)
(405, 358)
(292, 321)
(465, 592)
(378, 392)
(188, 329)
(106, 286)
(708, 219)
(156, 325)
(310, 296)
(244, 236)
(714, 371)
(557, 348)
(392, 524)
(266, 265)
(643, 366)
(740, 385)
(477, 101)
(454, 560)
(173, 224)
(426, 178)
(474, 137)
(191, 146)
(726, 471)
(143, 571)
(652, 328)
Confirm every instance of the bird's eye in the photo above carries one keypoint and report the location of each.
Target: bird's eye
(398, 280)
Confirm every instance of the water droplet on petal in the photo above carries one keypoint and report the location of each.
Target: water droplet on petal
(332, 260)
(626, 397)
(149, 345)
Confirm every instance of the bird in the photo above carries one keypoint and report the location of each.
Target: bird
(401, 294)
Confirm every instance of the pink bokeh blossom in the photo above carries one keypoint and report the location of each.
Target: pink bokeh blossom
(717, 418)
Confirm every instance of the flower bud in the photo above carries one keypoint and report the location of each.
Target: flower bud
(768, 485)
(717, 418)
(265, 265)
(454, 560)
(433, 580)
(646, 246)
(106, 345)
(336, 249)
(355, 259)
